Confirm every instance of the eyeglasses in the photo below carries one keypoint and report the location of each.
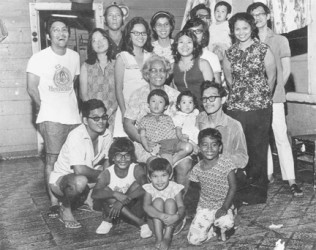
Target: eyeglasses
(97, 118)
(203, 16)
(120, 156)
(136, 33)
(211, 98)
(162, 25)
(197, 32)
(155, 71)
(259, 15)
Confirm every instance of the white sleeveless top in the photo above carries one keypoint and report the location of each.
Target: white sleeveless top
(133, 79)
(121, 184)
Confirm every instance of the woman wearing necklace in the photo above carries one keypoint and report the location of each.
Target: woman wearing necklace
(136, 49)
(250, 73)
(162, 24)
(189, 70)
(97, 73)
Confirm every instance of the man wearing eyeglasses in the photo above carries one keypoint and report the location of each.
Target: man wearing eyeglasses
(280, 48)
(78, 163)
(203, 12)
(213, 116)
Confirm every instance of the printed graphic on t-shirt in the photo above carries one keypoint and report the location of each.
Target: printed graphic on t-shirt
(122, 189)
(62, 80)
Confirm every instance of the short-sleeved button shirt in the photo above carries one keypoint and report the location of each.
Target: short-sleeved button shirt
(158, 127)
(214, 183)
(250, 89)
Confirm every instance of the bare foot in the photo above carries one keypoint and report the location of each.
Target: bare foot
(66, 214)
(157, 245)
(165, 244)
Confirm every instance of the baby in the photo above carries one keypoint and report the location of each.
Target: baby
(185, 118)
(219, 31)
(159, 128)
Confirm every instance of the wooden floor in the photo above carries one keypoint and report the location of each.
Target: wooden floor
(24, 224)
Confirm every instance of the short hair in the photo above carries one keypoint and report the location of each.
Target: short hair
(127, 44)
(159, 164)
(152, 59)
(223, 3)
(197, 48)
(212, 84)
(187, 93)
(200, 6)
(114, 4)
(246, 17)
(52, 20)
(195, 22)
(256, 5)
(92, 55)
(90, 105)
(122, 144)
(161, 14)
(212, 133)
(266, 9)
(159, 92)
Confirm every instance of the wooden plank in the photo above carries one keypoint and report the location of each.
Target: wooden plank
(21, 50)
(16, 122)
(22, 19)
(13, 74)
(19, 35)
(15, 107)
(17, 137)
(14, 94)
(13, 64)
(13, 83)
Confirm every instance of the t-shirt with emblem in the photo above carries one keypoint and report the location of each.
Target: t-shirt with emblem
(56, 87)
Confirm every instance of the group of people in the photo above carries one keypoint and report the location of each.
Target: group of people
(157, 115)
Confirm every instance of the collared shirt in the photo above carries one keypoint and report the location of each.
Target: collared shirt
(78, 150)
(115, 48)
(233, 137)
(280, 48)
(250, 89)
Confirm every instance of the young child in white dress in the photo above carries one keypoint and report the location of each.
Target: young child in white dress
(163, 202)
(185, 118)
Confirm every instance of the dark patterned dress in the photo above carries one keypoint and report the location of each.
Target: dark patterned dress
(250, 89)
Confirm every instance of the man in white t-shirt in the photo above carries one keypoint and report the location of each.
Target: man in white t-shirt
(50, 83)
(80, 157)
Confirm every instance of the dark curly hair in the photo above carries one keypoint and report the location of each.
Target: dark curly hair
(212, 133)
(90, 105)
(187, 93)
(126, 37)
(159, 92)
(197, 48)
(122, 144)
(211, 84)
(242, 16)
(92, 55)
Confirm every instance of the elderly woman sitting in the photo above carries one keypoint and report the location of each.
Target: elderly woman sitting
(155, 71)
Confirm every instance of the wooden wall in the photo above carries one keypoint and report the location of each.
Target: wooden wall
(17, 133)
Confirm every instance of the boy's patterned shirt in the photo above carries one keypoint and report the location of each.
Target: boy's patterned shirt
(214, 183)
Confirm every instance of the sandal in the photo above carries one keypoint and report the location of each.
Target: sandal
(53, 211)
(296, 191)
(70, 223)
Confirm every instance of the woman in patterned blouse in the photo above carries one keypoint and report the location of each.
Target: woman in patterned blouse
(250, 72)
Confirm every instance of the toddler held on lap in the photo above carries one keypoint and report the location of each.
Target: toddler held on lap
(158, 128)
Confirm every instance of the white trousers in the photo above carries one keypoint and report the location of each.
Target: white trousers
(282, 144)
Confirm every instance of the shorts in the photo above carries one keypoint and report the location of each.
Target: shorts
(54, 135)
(168, 146)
